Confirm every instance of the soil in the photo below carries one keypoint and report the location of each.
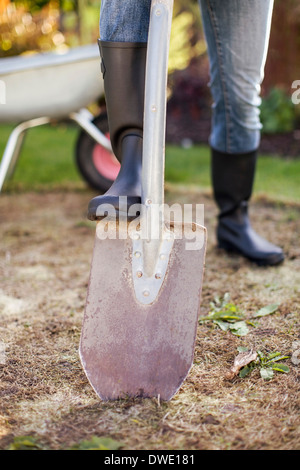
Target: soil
(45, 259)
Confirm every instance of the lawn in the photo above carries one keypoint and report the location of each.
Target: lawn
(47, 161)
(46, 401)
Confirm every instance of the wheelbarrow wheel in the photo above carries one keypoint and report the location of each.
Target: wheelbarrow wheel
(98, 166)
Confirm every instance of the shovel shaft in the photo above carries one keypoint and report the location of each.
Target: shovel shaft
(155, 102)
(155, 129)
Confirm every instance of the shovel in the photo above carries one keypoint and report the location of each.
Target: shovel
(141, 315)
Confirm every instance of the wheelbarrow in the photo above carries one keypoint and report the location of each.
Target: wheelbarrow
(49, 87)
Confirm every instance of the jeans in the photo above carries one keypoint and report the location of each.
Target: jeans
(237, 35)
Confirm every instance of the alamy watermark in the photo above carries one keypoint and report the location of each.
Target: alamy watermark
(145, 221)
(296, 93)
(2, 92)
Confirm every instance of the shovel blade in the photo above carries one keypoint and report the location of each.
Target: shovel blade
(136, 350)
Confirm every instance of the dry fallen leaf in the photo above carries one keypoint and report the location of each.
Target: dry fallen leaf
(296, 353)
(241, 360)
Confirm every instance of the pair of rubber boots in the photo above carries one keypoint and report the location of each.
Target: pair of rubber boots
(123, 69)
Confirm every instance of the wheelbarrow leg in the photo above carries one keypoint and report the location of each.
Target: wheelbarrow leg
(13, 147)
(12, 150)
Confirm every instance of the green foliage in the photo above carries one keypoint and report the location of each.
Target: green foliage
(27, 29)
(277, 112)
(95, 443)
(186, 41)
(45, 25)
(267, 364)
(227, 316)
(268, 310)
(32, 5)
(98, 443)
(25, 443)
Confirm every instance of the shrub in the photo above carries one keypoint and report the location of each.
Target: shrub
(277, 112)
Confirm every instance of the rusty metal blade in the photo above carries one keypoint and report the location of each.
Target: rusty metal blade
(131, 349)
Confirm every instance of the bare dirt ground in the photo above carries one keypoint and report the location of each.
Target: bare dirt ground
(45, 254)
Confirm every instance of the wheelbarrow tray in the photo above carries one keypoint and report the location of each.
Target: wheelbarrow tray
(50, 84)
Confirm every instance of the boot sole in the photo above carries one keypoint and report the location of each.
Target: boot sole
(272, 260)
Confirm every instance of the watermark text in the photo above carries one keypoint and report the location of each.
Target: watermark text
(147, 221)
(296, 93)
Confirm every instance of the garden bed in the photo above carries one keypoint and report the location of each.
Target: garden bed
(45, 258)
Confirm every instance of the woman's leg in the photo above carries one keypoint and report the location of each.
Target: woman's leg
(123, 44)
(237, 35)
(124, 20)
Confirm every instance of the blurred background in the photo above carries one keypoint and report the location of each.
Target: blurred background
(28, 26)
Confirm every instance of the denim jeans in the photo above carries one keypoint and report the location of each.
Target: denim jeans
(237, 35)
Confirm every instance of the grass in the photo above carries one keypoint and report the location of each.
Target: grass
(47, 158)
(275, 177)
(47, 161)
(46, 400)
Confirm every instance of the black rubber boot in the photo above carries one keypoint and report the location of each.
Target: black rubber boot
(232, 179)
(123, 68)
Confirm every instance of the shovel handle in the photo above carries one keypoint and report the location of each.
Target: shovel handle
(154, 132)
(156, 103)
